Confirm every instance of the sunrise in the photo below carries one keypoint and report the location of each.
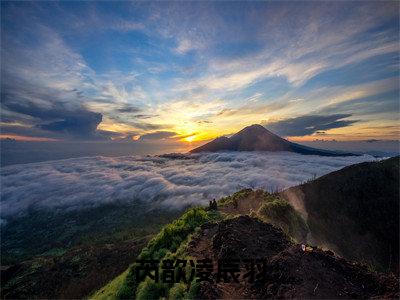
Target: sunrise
(136, 132)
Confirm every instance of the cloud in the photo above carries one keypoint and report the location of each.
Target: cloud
(48, 87)
(313, 42)
(75, 122)
(185, 46)
(158, 135)
(196, 52)
(309, 124)
(78, 124)
(86, 182)
(125, 26)
(128, 109)
(144, 116)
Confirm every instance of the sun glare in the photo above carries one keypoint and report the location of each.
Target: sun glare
(190, 138)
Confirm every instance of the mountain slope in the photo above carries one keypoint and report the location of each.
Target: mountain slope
(290, 271)
(257, 224)
(258, 138)
(354, 211)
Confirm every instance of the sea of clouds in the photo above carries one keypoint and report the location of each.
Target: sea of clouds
(184, 180)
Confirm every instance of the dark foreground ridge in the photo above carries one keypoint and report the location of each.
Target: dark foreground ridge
(258, 138)
(291, 272)
(355, 211)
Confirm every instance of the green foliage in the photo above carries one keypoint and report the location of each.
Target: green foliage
(281, 214)
(246, 193)
(55, 252)
(35, 233)
(166, 242)
(253, 214)
(193, 290)
(178, 291)
(71, 241)
(234, 198)
(149, 289)
(109, 291)
(266, 197)
(172, 235)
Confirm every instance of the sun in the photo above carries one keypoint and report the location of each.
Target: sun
(190, 138)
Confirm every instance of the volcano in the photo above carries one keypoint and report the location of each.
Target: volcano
(258, 138)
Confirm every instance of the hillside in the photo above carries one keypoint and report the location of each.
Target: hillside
(52, 255)
(354, 211)
(237, 231)
(250, 225)
(290, 271)
(258, 138)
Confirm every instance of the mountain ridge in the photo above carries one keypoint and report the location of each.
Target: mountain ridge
(257, 138)
(341, 205)
(252, 224)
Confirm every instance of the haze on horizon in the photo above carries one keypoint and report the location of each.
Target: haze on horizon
(177, 74)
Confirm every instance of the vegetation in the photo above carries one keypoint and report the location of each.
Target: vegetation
(243, 194)
(44, 232)
(63, 243)
(163, 245)
(269, 207)
(356, 211)
(235, 197)
(109, 291)
(345, 210)
(173, 239)
(280, 213)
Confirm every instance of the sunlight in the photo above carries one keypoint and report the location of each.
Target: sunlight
(190, 138)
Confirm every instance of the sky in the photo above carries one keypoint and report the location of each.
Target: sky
(186, 72)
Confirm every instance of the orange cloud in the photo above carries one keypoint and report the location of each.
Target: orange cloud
(27, 138)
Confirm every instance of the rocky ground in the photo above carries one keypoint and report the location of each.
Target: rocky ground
(290, 271)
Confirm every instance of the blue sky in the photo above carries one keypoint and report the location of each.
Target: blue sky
(182, 72)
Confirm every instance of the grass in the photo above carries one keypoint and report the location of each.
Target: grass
(164, 244)
(109, 291)
(235, 197)
(45, 232)
(47, 241)
(171, 241)
(274, 209)
(173, 238)
(280, 213)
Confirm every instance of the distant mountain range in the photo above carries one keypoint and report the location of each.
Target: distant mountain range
(258, 138)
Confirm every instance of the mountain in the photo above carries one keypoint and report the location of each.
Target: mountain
(258, 138)
(354, 211)
(291, 272)
(293, 236)
(349, 220)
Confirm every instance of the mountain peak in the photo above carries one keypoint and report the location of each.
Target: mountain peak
(255, 129)
(257, 138)
(255, 126)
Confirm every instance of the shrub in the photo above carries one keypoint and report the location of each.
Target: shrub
(177, 291)
(234, 198)
(149, 289)
(281, 214)
(165, 242)
(193, 290)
